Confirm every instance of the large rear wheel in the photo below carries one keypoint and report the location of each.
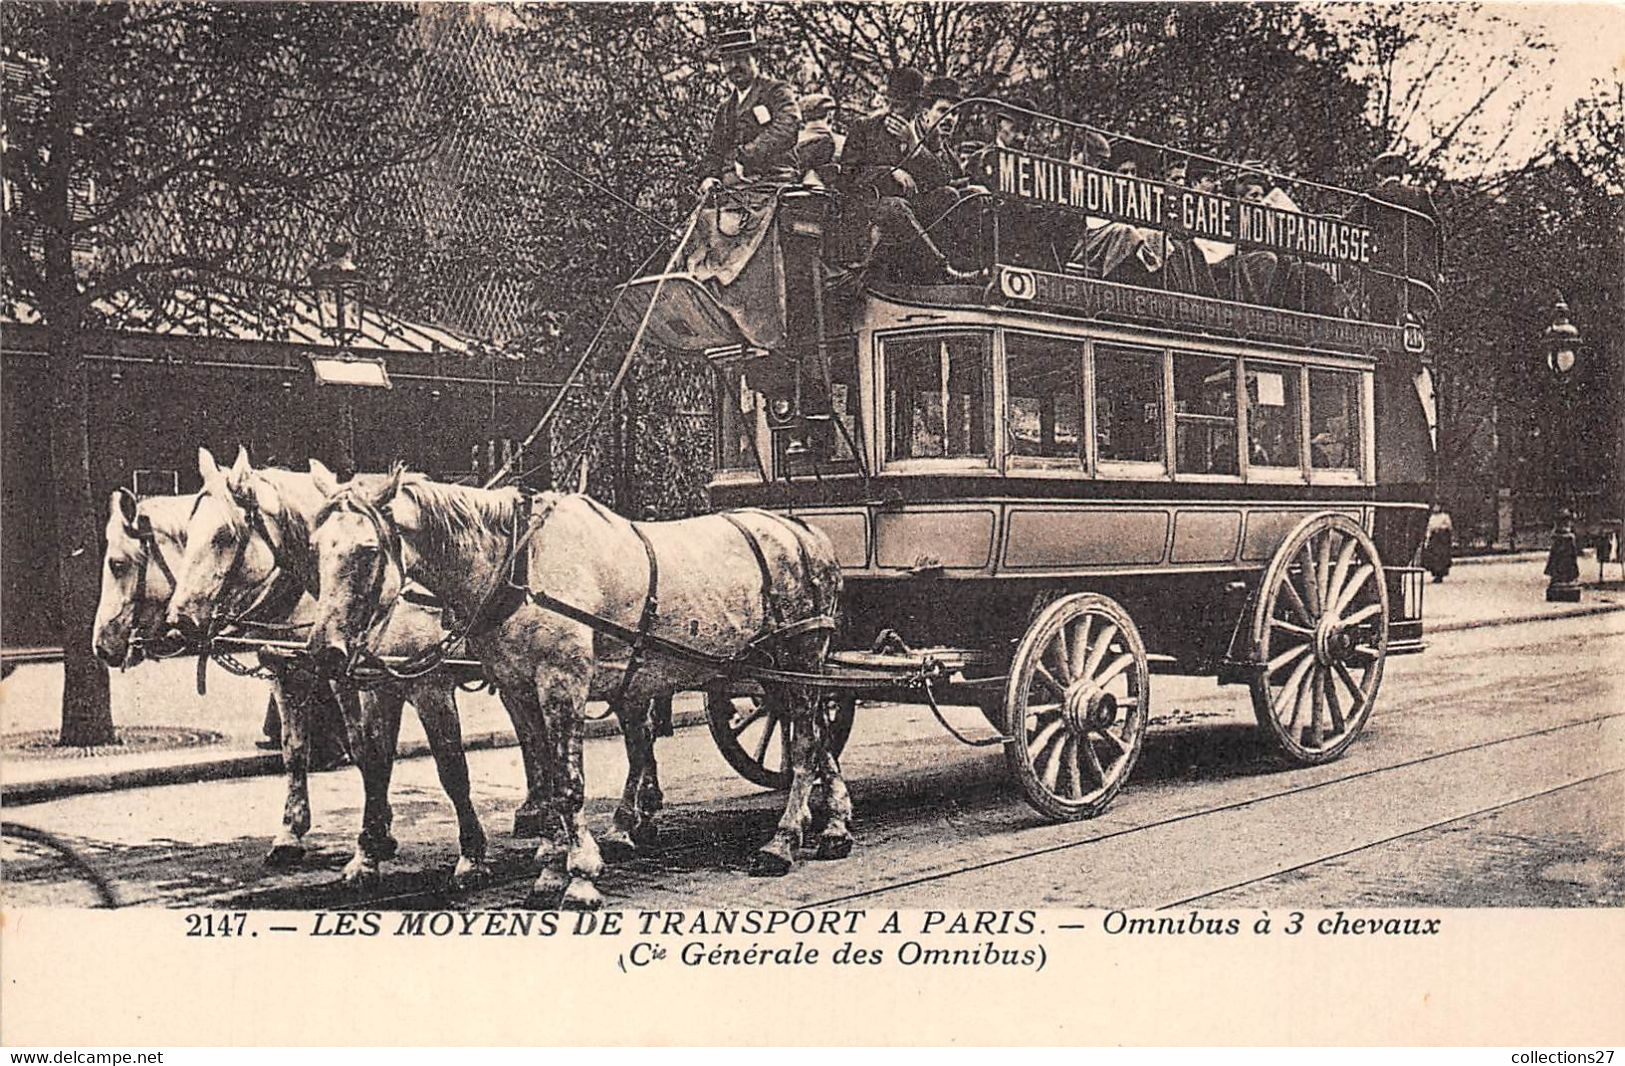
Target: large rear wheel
(1320, 636)
(1076, 706)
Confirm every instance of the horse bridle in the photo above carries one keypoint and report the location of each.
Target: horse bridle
(141, 531)
(389, 553)
(255, 524)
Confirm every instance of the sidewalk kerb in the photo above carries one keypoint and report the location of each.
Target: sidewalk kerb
(264, 764)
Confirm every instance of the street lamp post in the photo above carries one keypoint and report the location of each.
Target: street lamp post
(1562, 341)
(337, 284)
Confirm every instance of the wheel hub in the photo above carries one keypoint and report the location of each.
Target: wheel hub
(1333, 641)
(1089, 709)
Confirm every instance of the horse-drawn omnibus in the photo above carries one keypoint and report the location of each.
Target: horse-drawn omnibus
(1050, 483)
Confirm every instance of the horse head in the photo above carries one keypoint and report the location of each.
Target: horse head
(136, 577)
(240, 543)
(361, 561)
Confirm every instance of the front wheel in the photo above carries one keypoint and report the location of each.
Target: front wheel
(1320, 636)
(1076, 706)
(750, 732)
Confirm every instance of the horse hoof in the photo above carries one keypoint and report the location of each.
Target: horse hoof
(386, 848)
(582, 895)
(770, 863)
(617, 846)
(362, 875)
(470, 874)
(834, 846)
(527, 825)
(284, 856)
(646, 838)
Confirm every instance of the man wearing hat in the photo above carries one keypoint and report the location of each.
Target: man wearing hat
(818, 146)
(754, 135)
(1405, 244)
(1187, 267)
(888, 157)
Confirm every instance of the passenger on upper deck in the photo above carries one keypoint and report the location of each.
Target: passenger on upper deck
(818, 147)
(1186, 268)
(1403, 244)
(1027, 234)
(753, 137)
(899, 169)
(1120, 251)
(1253, 270)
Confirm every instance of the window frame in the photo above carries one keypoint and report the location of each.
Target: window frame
(988, 464)
(751, 473)
(1128, 469)
(1238, 402)
(1298, 472)
(1358, 426)
(1080, 463)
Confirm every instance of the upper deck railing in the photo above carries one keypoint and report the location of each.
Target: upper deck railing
(1044, 207)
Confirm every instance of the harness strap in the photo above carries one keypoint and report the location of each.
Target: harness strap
(769, 608)
(651, 609)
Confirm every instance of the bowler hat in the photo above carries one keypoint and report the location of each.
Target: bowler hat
(1392, 161)
(1127, 151)
(942, 89)
(734, 41)
(905, 83)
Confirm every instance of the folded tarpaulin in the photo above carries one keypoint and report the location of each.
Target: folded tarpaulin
(736, 253)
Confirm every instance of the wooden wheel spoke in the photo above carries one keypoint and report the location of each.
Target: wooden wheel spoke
(1115, 667)
(1110, 738)
(1091, 762)
(1365, 652)
(1340, 572)
(1356, 694)
(1323, 567)
(1301, 632)
(1040, 740)
(1361, 576)
(754, 717)
(1362, 614)
(1317, 714)
(1311, 589)
(767, 735)
(1080, 643)
(1333, 705)
(1289, 690)
(1039, 710)
(1074, 775)
(1287, 657)
(1041, 674)
(1052, 765)
(1059, 654)
(1295, 602)
(1098, 653)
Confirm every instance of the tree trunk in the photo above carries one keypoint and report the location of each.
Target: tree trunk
(87, 715)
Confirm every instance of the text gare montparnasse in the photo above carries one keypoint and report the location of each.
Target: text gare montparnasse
(1159, 205)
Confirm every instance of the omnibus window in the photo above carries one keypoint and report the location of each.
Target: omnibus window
(1272, 415)
(1205, 415)
(1128, 404)
(738, 421)
(1045, 416)
(937, 395)
(1334, 420)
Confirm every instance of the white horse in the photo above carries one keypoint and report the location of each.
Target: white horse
(245, 537)
(747, 586)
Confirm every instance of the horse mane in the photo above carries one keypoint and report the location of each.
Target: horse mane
(293, 520)
(454, 514)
